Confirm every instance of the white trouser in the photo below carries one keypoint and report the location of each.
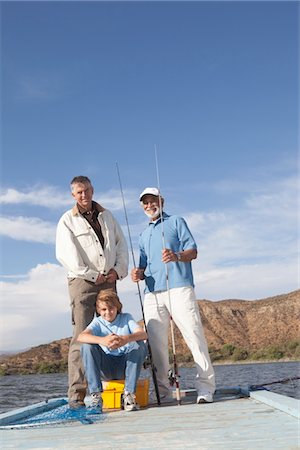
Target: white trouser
(185, 313)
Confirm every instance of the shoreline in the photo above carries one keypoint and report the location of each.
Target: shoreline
(250, 361)
(180, 365)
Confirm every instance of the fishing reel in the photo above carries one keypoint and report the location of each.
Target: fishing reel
(147, 362)
(171, 377)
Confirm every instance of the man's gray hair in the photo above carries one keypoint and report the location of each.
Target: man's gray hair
(80, 179)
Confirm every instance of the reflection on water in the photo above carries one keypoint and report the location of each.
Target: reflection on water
(22, 390)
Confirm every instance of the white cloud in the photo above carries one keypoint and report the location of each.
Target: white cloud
(246, 252)
(264, 227)
(46, 196)
(246, 281)
(30, 229)
(112, 199)
(235, 238)
(277, 199)
(34, 229)
(37, 310)
(44, 287)
(52, 197)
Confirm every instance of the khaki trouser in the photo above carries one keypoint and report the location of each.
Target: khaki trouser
(83, 305)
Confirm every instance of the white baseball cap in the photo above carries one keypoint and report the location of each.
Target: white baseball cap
(150, 191)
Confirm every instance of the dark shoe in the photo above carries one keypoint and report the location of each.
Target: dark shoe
(76, 404)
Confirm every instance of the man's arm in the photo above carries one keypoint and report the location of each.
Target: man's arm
(183, 256)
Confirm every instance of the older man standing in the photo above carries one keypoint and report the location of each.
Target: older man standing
(177, 299)
(91, 246)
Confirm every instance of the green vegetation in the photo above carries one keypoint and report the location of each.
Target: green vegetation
(231, 353)
(290, 350)
(41, 368)
(226, 354)
(51, 367)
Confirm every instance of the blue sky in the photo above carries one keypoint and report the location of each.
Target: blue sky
(213, 85)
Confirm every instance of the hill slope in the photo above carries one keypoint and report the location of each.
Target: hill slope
(252, 324)
(248, 325)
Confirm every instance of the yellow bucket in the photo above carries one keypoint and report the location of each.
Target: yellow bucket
(112, 391)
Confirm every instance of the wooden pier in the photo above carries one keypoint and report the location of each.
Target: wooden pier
(263, 420)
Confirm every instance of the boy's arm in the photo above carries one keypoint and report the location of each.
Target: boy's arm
(138, 335)
(109, 341)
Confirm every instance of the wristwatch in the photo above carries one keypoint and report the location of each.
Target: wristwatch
(178, 256)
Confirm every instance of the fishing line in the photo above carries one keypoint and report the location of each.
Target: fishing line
(175, 367)
(283, 381)
(153, 368)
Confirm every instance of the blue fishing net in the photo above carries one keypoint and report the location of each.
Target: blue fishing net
(59, 415)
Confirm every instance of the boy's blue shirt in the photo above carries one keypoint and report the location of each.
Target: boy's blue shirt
(123, 324)
(177, 237)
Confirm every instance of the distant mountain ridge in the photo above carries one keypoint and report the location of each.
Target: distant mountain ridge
(245, 324)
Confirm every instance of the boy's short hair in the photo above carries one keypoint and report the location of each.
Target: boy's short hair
(111, 298)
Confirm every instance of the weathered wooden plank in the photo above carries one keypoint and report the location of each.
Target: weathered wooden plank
(236, 424)
(286, 404)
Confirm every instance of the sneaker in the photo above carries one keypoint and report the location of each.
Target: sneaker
(129, 402)
(95, 404)
(205, 398)
(96, 399)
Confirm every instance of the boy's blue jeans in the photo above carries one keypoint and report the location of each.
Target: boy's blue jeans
(100, 366)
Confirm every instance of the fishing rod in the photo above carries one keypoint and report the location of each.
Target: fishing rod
(153, 368)
(283, 381)
(175, 376)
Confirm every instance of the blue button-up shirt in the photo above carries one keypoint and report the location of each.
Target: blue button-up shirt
(177, 237)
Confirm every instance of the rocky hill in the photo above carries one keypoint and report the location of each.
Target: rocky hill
(251, 325)
(247, 326)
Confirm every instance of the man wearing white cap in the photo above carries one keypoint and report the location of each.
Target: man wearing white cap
(176, 298)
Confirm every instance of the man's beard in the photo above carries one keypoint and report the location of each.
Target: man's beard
(153, 214)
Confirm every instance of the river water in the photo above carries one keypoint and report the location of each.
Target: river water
(23, 390)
